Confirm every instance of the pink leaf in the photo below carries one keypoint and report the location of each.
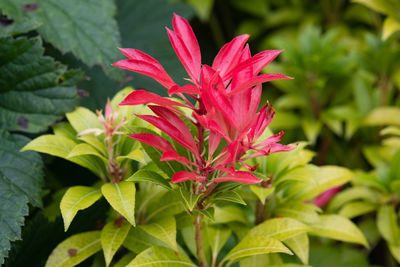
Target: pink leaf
(188, 89)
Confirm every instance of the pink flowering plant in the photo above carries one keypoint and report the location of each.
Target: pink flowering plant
(183, 173)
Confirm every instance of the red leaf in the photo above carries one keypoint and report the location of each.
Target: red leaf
(153, 140)
(183, 176)
(229, 54)
(139, 97)
(186, 46)
(257, 80)
(148, 68)
(239, 176)
(172, 155)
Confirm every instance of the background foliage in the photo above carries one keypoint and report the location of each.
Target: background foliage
(344, 55)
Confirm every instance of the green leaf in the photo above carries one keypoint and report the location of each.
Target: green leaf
(230, 196)
(94, 142)
(357, 208)
(127, 258)
(75, 199)
(163, 229)
(160, 256)
(390, 26)
(136, 155)
(278, 228)
(386, 221)
(229, 214)
(20, 183)
(64, 129)
(169, 204)
(318, 180)
(351, 194)
(85, 149)
(82, 119)
(395, 250)
(149, 176)
(311, 129)
(299, 244)
(261, 192)
(189, 198)
(383, 116)
(390, 7)
(348, 232)
(112, 236)
(254, 245)
(217, 237)
(307, 213)
(75, 249)
(121, 197)
(61, 146)
(87, 29)
(138, 240)
(35, 91)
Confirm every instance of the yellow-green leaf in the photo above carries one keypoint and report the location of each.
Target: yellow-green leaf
(61, 146)
(357, 208)
(261, 192)
(395, 250)
(136, 154)
(112, 237)
(75, 249)
(254, 245)
(229, 214)
(160, 256)
(383, 116)
(127, 258)
(217, 237)
(94, 142)
(163, 229)
(121, 197)
(299, 244)
(278, 228)
(82, 119)
(390, 26)
(77, 198)
(387, 224)
(149, 176)
(339, 228)
(85, 149)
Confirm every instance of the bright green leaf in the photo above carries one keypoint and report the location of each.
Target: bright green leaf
(351, 194)
(138, 240)
(112, 237)
(160, 256)
(77, 198)
(75, 249)
(163, 229)
(339, 228)
(395, 250)
(230, 196)
(121, 197)
(307, 213)
(390, 26)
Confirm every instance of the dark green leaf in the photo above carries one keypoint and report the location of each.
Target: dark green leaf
(20, 184)
(35, 91)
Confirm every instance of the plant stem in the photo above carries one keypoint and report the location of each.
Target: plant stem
(199, 241)
(260, 209)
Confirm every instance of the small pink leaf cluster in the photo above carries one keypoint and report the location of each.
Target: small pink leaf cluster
(227, 96)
